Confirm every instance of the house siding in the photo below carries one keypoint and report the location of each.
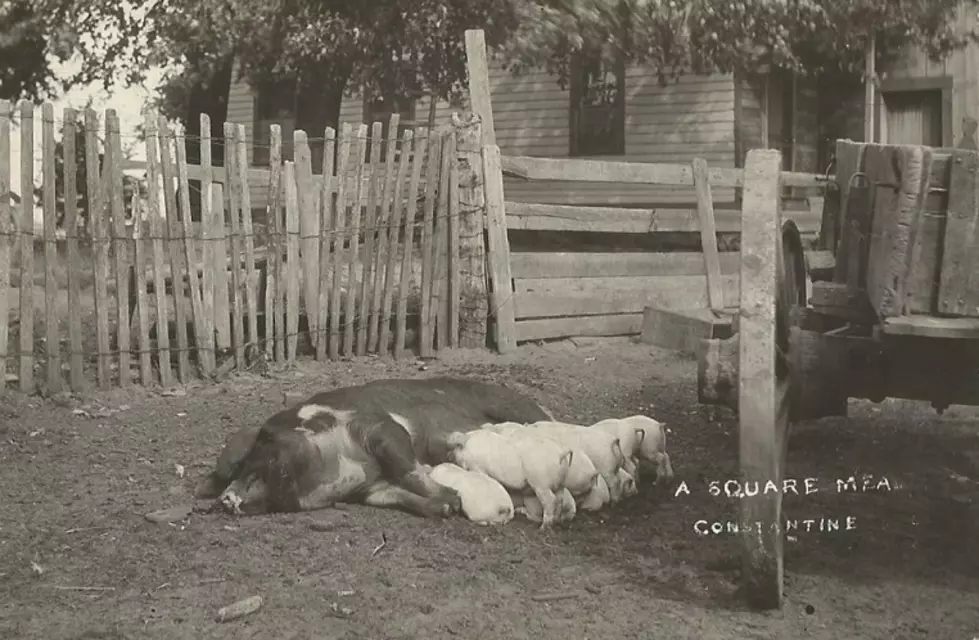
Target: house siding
(691, 118)
(962, 66)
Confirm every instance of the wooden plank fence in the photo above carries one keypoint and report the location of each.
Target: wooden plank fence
(417, 250)
(585, 284)
(351, 257)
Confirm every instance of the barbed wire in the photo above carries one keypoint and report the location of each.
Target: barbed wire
(335, 329)
(439, 218)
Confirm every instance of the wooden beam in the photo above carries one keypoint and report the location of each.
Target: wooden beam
(958, 292)
(479, 85)
(870, 77)
(678, 292)
(498, 248)
(708, 235)
(533, 264)
(932, 327)
(594, 265)
(678, 219)
(763, 420)
(621, 324)
(578, 170)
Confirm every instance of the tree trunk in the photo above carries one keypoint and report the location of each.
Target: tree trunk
(210, 96)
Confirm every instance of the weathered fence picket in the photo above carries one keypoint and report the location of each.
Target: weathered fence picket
(26, 326)
(52, 339)
(327, 207)
(418, 152)
(361, 253)
(7, 229)
(337, 240)
(76, 374)
(353, 248)
(276, 313)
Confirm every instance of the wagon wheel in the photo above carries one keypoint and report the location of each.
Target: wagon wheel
(772, 283)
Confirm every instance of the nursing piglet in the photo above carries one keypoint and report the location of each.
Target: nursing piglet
(630, 437)
(581, 472)
(652, 447)
(532, 509)
(484, 500)
(524, 464)
(601, 448)
(597, 498)
(627, 482)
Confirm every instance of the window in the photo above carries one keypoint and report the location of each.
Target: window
(597, 126)
(913, 117)
(915, 111)
(275, 103)
(380, 110)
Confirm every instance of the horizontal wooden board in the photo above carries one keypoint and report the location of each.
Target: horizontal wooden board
(569, 298)
(532, 264)
(577, 170)
(554, 217)
(622, 324)
(933, 327)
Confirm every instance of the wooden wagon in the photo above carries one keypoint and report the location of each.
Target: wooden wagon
(896, 315)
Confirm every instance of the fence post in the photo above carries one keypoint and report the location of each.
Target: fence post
(472, 252)
(26, 329)
(479, 87)
(505, 328)
(484, 139)
(7, 229)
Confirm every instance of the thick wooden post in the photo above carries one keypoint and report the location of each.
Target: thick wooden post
(505, 329)
(762, 398)
(472, 222)
(498, 245)
(479, 86)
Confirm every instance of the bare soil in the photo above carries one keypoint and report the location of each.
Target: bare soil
(79, 560)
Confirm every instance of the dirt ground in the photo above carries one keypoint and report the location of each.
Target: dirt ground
(78, 559)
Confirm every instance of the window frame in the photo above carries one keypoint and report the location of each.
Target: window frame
(617, 145)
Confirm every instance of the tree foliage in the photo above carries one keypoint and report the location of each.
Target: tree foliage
(101, 37)
(405, 48)
(674, 37)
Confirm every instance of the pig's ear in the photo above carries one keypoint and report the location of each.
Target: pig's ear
(641, 433)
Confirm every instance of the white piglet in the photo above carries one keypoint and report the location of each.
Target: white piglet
(484, 500)
(630, 437)
(533, 510)
(581, 471)
(628, 484)
(602, 449)
(597, 498)
(652, 447)
(524, 464)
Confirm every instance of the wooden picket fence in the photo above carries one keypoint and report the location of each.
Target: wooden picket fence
(351, 258)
